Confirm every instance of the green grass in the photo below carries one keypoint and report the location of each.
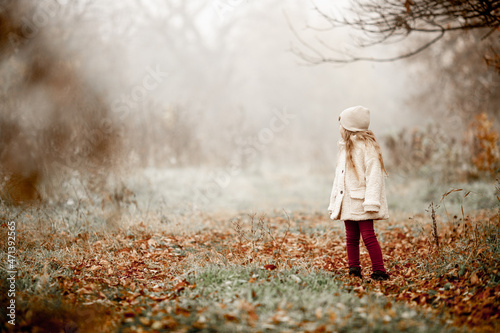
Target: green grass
(252, 299)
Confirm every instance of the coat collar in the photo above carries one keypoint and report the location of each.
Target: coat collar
(341, 143)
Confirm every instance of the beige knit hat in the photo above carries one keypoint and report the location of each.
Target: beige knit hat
(355, 119)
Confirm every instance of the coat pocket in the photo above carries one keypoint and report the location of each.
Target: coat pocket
(357, 198)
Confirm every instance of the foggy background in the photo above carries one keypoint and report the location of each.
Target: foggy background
(187, 105)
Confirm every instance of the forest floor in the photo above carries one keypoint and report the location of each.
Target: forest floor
(283, 272)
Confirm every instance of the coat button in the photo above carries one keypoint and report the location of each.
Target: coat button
(341, 192)
(342, 171)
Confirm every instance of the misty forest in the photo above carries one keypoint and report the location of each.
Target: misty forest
(167, 165)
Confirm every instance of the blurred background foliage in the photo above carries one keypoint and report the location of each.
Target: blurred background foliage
(431, 152)
(74, 120)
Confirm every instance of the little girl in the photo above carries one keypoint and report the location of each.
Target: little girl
(358, 194)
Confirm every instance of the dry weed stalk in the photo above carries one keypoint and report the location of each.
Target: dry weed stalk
(497, 189)
(257, 234)
(464, 220)
(433, 208)
(277, 253)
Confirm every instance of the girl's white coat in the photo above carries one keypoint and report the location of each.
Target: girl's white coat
(362, 197)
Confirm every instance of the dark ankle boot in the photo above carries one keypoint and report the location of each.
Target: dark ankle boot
(379, 276)
(355, 271)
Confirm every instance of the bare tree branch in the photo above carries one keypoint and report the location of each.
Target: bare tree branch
(382, 22)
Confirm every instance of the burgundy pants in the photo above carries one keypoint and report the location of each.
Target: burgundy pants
(353, 229)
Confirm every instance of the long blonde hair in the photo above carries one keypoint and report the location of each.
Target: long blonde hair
(367, 137)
